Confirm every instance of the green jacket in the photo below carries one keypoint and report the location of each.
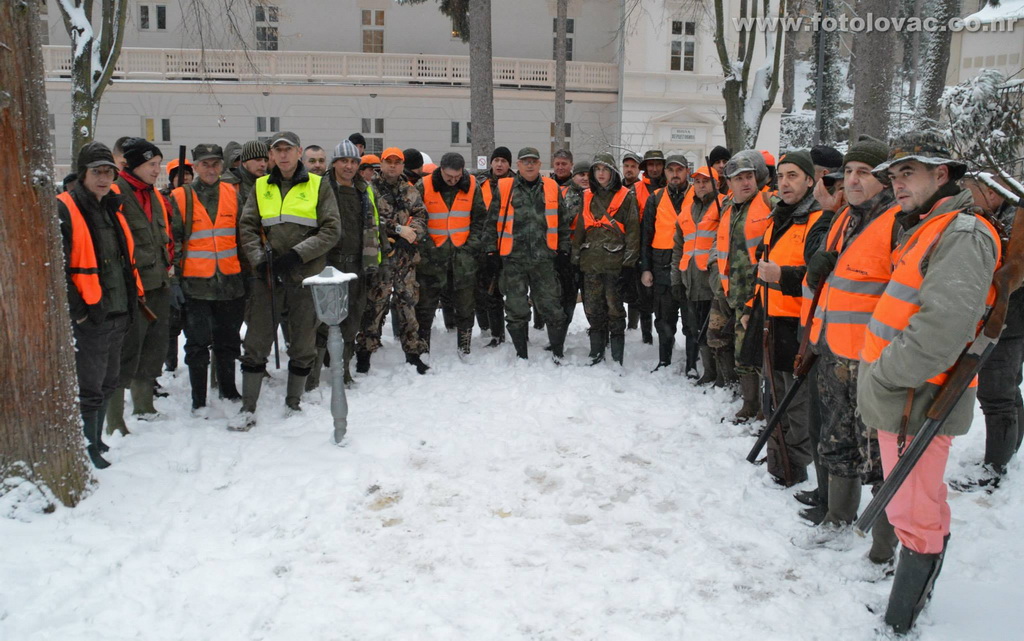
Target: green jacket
(606, 249)
(359, 247)
(219, 286)
(310, 243)
(693, 279)
(152, 256)
(530, 228)
(957, 275)
(463, 260)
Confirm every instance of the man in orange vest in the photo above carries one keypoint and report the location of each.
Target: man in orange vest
(606, 240)
(205, 222)
(448, 257)
(631, 287)
(657, 240)
(780, 273)
(102, 286)
(490, 307)
(528, 228)
(940, 286)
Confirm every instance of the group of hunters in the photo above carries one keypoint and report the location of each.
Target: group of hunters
(879, 261)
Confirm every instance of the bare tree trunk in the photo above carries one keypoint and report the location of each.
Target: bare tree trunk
(873, 75)
(562, 10)
(481, 78)
(41, 430)
(828, 82)
(936, 62)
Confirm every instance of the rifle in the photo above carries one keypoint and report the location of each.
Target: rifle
(269, 252)
(767, 348)
(1006, 280)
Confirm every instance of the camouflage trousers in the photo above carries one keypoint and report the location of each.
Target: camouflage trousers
(396, 278)
(725, 331)
(521, 281)
(845, 447)
(602, 303)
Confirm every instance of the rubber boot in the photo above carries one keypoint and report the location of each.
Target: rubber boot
(226, 379)
(313, 380)
(751, 390)
(142, 398)
(465, 341)
(707, 359)
(115, 413)
(725, 363)
(645, 328)
(618, 347)
(496, 319)
(843, 501)
(362, 361)
(633, 316)
(519, 341)
(296, 385)
(246, 418)
(665, 346)
(197, 379)
(691, 359)
(597, 345)
(912, 587)
(883, 541)
(483, 319)
(414, 359)
(91, 428)
(819, 495)
(556, 334)
(1000, 439)
(350, 349)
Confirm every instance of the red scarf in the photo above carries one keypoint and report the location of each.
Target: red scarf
(143, 192)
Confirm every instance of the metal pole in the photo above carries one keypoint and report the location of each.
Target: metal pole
(339, 404)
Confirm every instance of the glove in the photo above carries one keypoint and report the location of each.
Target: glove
(177, 296)
(493, 262)
(678, 292)
(286, 263)
(562, 263)
(820, 266)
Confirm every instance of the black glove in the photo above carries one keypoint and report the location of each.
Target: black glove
(562, 262)
(679, 292)
(177, 296)
(286, 263)
(493, 262)
(821, 265)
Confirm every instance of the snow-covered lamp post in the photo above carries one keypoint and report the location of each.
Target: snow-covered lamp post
(330, 296)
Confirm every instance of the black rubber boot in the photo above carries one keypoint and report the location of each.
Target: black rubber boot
(293, 393)
(618, 347)
(496, 319)
(197, 377)
(91, 427)
(691, 359)
(912, 587)
(597, 346)
(226, 379)
(633, 316)
(645, 328)
(350, 349)
(1000, 439)
(707, 360)
(519, 340)
(483, 319)
(883, 541)
(664, 352)
(362, 361)
(556, 335)
(414, 359)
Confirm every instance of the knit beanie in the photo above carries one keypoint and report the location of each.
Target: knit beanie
(719, 153)
(501, 152)
(254, 149)
(802, 159)
(413, 159)
(138, 151)
(870, 151)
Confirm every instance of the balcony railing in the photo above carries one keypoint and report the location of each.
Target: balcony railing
(331, 67)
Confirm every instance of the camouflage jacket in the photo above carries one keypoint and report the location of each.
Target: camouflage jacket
(464, 259)
(399, 203)
(530, 227)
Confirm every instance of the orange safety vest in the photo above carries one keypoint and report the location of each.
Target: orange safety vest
(787, 251)
(608, 219)
(443, 223)
(851, 291)
(486, 193)
(82, 263)
(211, 247)
(506, 213)
(692, 233)
(665, 218)
(707, 232)
(642, 192)
(902, 296)
(758, 217)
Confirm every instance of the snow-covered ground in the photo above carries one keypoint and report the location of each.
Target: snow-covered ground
(487, 500)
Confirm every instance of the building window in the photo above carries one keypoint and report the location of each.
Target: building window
(266, 13)
(456, 133)
(373, 31)
(568, 138)
(152, 17)
(469, 133)
(265, 18)
(156, 129)
(684, 46)
(570, 27)
(373, 132)
(266, 125)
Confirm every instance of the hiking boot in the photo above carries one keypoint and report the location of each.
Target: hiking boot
(414, 359)
(362, 361)
(465, 341)
(495, 341)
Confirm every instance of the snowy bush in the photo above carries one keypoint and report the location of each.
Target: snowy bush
(984, 116)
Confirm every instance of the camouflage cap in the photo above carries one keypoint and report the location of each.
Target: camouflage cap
(747, 160)
(528, 152)
(652, 154)
(926, 146)
(677, 159)
(629, 155)
(206, 151)
(580, 167)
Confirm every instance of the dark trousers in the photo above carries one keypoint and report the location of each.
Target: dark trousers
(489, 298)
(432, 290)
(98, 360)
(145, 344)
(213, 323)
(695, 316)
(1000, 398)
(570, 278)
(666, 313)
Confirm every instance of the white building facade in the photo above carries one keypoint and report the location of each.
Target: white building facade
(397, 74)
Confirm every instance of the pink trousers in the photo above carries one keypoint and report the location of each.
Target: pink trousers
(919, 511)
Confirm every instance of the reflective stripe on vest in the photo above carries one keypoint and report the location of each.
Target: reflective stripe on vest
(851, 292)
(212, 246)
(693, 248)
(665, 219)
(902, 296)
(443, 223)
(300, 202)
(506, 214)
(607, 219)
(82, 263)
(376, 219)
(757, 219)
(707, 232)
(787, 251)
